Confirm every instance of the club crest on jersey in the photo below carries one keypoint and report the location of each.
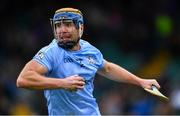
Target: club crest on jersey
(90, 60)
(41, 55)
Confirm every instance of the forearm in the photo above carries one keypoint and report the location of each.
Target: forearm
(117, 73)
(33, 80)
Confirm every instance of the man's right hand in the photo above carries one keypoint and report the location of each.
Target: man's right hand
(73, 83)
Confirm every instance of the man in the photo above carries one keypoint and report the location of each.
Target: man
(65, 69)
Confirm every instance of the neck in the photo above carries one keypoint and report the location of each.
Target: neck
(76, 47)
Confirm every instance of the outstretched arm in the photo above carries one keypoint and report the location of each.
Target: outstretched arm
(32, 77)
(119, 74)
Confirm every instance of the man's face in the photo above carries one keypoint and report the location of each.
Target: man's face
(67, 31)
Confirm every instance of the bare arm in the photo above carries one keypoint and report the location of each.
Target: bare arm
(32, 77)
(117, 73)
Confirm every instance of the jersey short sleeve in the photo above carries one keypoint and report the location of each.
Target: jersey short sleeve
(100, 60)
(44, 57)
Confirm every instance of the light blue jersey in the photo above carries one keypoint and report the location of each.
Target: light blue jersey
(61, 64)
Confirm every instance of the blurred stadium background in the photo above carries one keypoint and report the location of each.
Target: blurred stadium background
(141, 36)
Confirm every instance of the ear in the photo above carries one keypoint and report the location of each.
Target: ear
(81, 29)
